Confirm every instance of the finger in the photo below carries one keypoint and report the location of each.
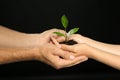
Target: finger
(65, 54)
(67, 48)
(55, 42)
(69, 63)
(82, 60)
(47, 61)
(55, 61)
(58, 63)
(51, 60)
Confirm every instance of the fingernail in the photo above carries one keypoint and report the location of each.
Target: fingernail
(72, 57)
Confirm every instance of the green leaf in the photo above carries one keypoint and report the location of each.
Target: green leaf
(72, 31)
(64, 21)
(59, 34)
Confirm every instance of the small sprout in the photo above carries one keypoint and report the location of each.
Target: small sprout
(65, 22)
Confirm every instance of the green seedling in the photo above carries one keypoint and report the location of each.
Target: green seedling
(64, 21)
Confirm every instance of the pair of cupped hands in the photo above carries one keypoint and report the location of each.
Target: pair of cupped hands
(55, 54)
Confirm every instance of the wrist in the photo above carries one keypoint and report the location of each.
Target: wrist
(87, 50)
(33, 40)
(37, 55)
(22, 54)
(92, 52)
(32, 54)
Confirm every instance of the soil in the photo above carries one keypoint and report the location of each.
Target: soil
(70, 42)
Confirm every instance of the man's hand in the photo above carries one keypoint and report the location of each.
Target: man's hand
(45, 37)
(12, 39)
(17, 46)
(56, 57)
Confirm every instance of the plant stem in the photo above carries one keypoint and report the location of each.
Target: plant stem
(65, 30)
(66, 37)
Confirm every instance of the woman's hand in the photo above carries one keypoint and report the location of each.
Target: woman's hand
(79, 38)
(78, 49)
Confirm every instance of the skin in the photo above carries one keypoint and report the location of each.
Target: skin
(108, 54)
(11, 38)
(17, 46)
(49, 55)
(111, 48)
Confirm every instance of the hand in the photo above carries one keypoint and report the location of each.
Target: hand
(79, 38)
(11, 38)
(76, 37)
(56, 57)
(78, 49)
(44, 37)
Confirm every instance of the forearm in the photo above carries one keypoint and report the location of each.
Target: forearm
(11, 38)
(111, 48)
(9, 55)
(106, 58)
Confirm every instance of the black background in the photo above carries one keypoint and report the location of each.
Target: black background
(97, 19)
